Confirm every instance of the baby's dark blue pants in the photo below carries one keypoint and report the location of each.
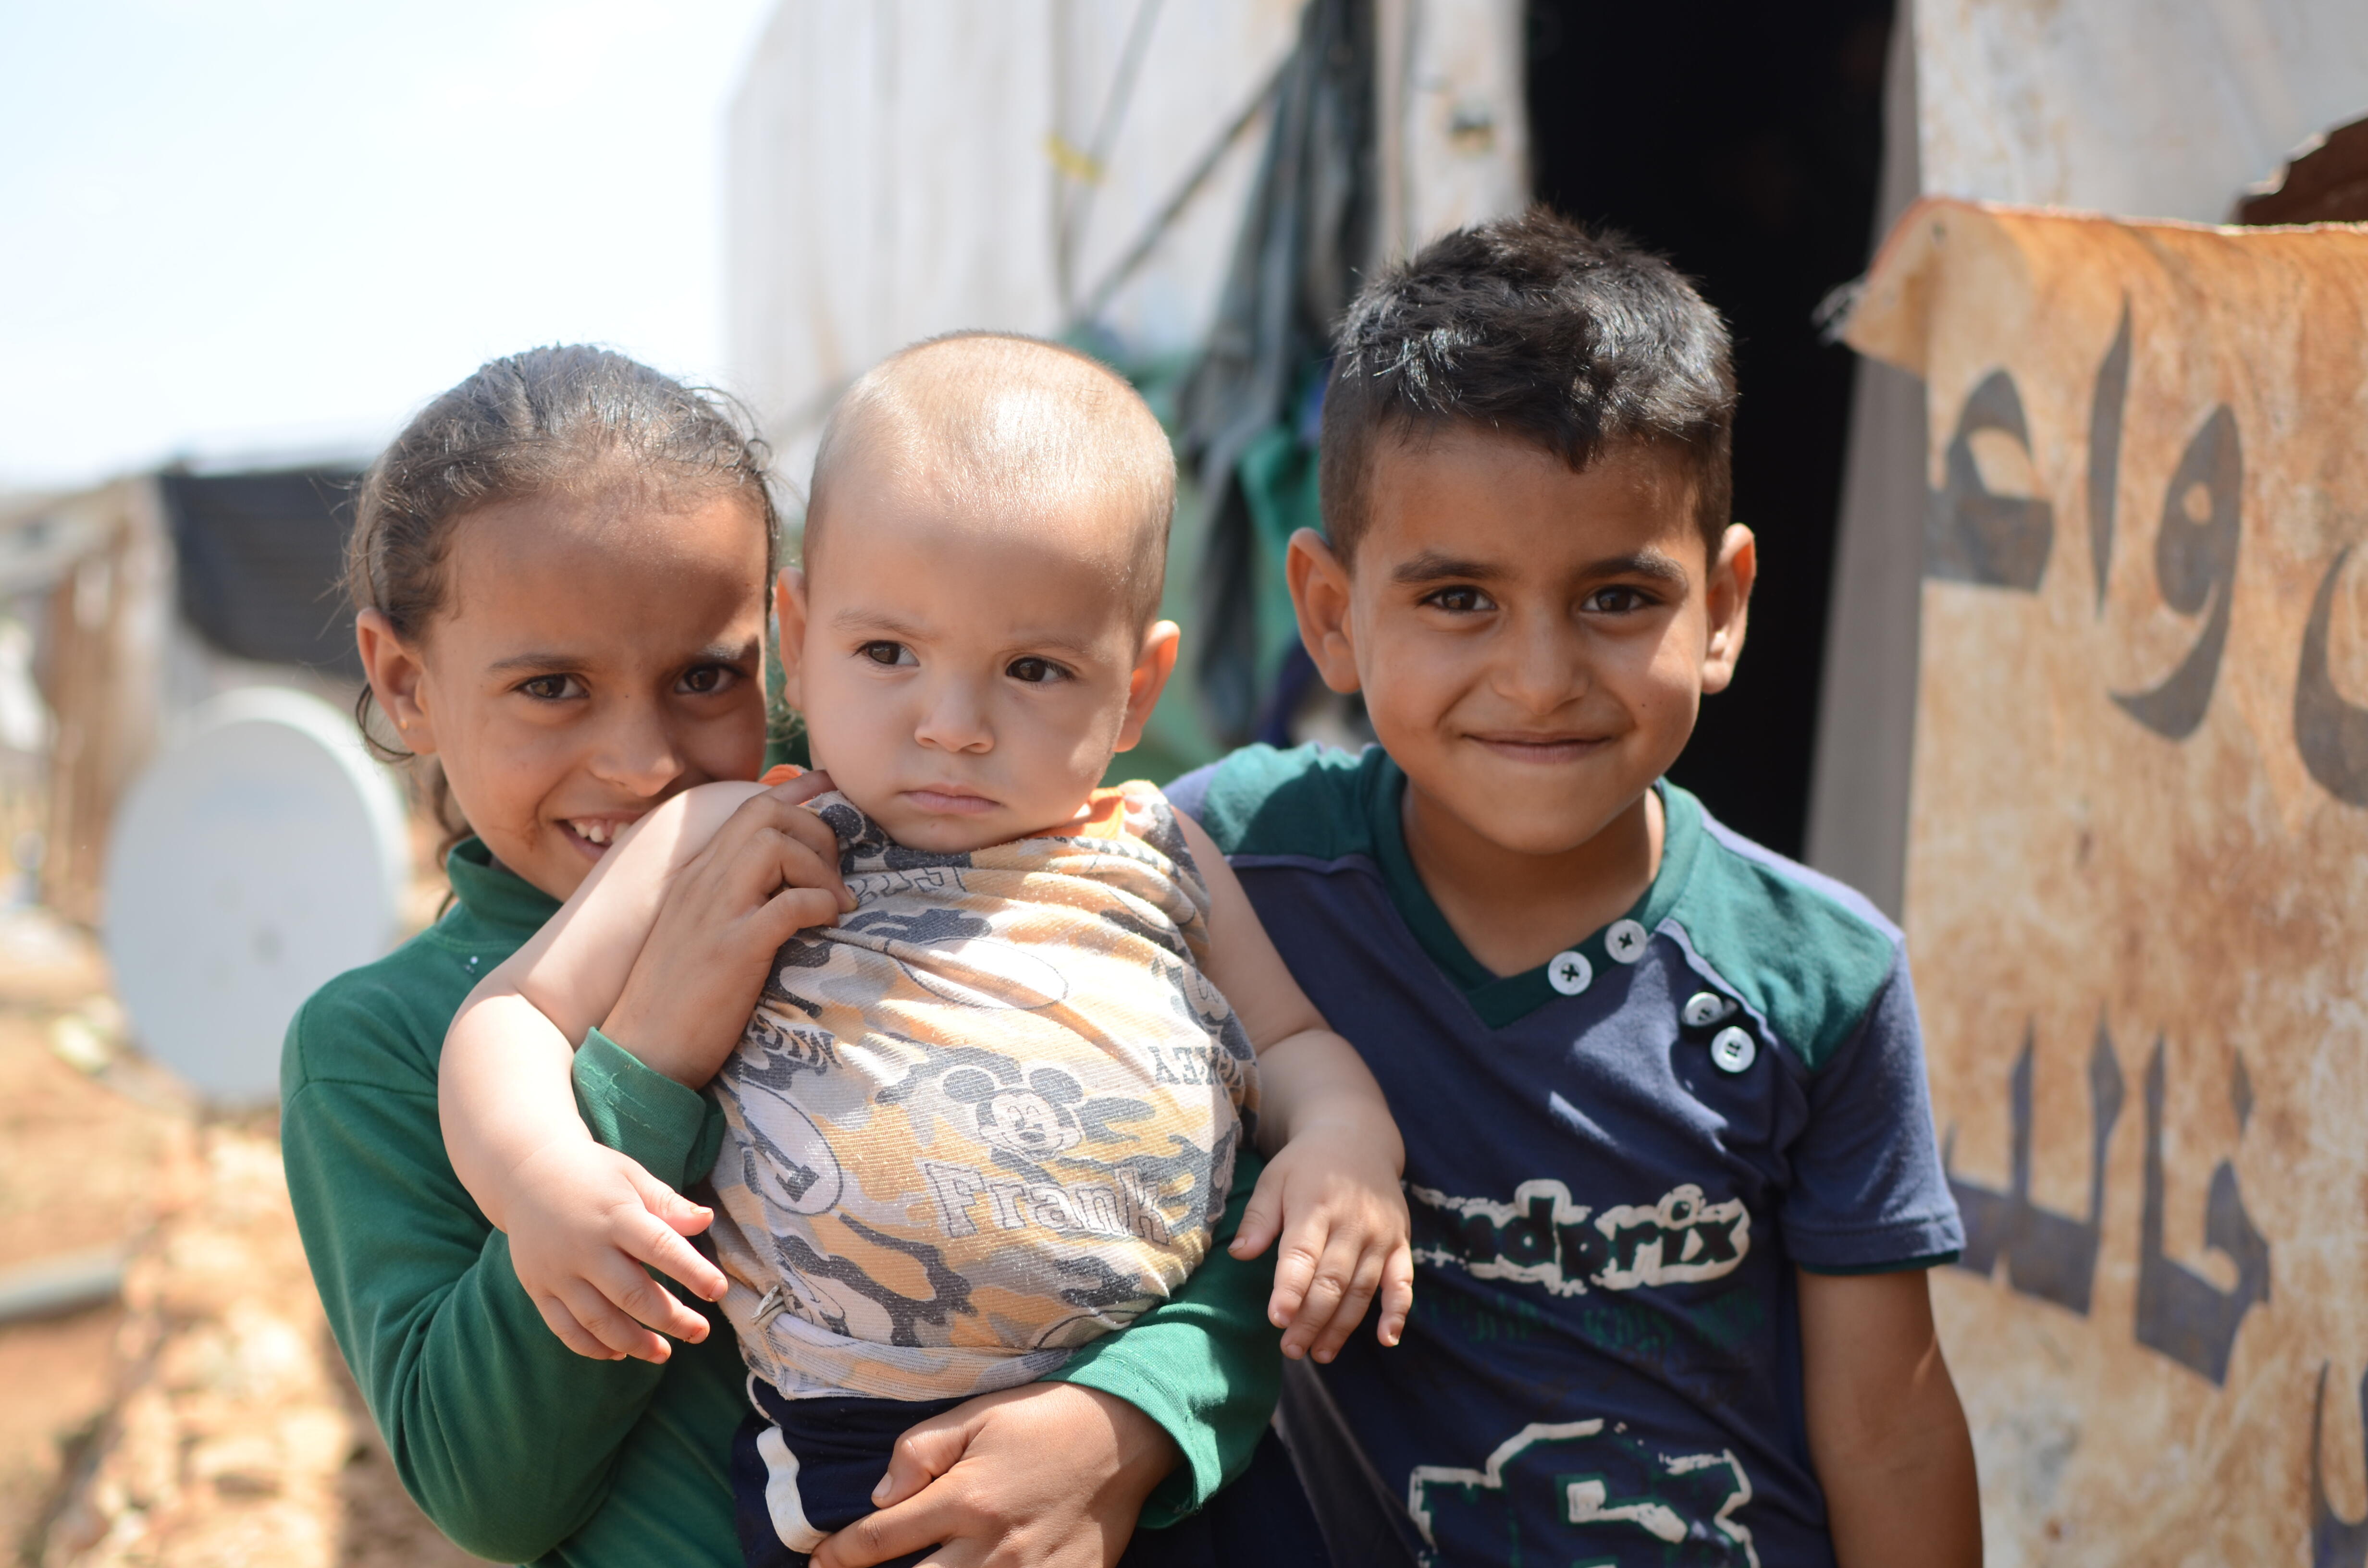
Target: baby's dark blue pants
(818, 1460)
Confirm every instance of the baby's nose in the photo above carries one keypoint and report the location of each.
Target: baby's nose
(955, 721)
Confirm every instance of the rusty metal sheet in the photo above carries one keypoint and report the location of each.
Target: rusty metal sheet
(2137, 884)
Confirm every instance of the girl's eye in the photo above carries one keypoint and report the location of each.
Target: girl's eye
(552, 688)
(888, 653)
(706, 680)
(1034, 671)
(1460, 601)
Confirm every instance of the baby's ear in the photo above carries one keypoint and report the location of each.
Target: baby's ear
(1153, 665)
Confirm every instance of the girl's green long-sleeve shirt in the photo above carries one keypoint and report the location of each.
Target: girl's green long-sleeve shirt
(516, 1448)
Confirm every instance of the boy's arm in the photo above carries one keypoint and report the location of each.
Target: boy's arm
(1331, 1189)
(1867, 1214)
(1885, 1430)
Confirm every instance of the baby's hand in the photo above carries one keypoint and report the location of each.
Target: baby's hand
(582, 1220)
(1335, 1201)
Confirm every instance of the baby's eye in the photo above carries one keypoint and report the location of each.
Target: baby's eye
(1460, 601)
(886, 652)
(552, 688)
(1034, 671)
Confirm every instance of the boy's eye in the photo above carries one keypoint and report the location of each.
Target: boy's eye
(1460, 601)
(885, 653)
(1033, 670)
(706, 679)
(1618, 599)
(552, 688)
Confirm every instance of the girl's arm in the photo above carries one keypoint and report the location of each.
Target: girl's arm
(1331, 1189)
(510, 1442)
(678, 923)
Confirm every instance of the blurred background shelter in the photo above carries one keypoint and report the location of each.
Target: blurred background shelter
(131, 605)
(126, 607)
(1193, 191)
(178, 762)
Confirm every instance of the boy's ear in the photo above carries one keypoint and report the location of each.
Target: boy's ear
(789, 619)
(1727, 604)
(1152, 668)
(1319, 596)
(397, 681)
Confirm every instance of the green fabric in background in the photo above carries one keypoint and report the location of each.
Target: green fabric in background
(1278, 476)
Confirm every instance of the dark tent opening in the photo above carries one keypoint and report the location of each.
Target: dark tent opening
(1744, 143)
(261, 557)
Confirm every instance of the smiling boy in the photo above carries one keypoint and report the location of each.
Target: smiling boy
(1668, 1143)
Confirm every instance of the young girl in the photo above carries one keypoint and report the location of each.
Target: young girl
(561, 569)
(990, 1119)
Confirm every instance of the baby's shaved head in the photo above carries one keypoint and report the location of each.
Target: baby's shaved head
(995, 425)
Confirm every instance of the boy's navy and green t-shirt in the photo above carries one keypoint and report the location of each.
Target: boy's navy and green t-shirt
(1613, 1162)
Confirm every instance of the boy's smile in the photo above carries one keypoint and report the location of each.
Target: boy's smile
(1533, 645)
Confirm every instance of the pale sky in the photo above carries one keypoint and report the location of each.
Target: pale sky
(269, 227)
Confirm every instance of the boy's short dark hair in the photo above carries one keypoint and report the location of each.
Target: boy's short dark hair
(1576, 343)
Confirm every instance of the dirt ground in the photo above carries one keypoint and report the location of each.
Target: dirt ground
(203, 1419)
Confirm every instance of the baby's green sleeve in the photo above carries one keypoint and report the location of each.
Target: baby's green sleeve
(1205, 1363)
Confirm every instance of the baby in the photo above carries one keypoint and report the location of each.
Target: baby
(993, 1113)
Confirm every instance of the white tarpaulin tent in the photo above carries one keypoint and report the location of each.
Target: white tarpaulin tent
(899, 169)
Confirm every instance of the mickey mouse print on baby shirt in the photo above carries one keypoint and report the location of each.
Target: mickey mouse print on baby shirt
(962, 1136)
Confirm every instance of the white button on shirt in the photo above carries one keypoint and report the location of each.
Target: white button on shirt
(1705, 1008)
(1569, 972)
(1626, 940)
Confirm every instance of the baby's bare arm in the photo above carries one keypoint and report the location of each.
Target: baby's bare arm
(1307, 1073)
(574, 970)
(503, 1088)
(1330, 1190)
(718, 877)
